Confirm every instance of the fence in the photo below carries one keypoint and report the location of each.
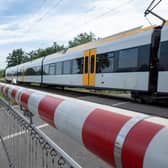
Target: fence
(32, 149)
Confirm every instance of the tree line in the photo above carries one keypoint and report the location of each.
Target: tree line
(18, 56)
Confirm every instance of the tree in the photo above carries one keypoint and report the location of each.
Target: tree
(44, 52)
(17, 56)
(82, 39)
(2, 73)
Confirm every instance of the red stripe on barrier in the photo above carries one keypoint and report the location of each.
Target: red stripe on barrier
(25, 97)
(13, 94)
(47, 107)
(137, 142)
(100, 131)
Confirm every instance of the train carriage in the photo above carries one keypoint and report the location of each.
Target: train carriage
(64, 69)
(31, 71)
(121, 63)
(11, 73)
(135, 60)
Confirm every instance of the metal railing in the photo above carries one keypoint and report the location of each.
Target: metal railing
(32, 149)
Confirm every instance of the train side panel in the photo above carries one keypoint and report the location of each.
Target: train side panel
(32, 79)
(50, 76)
(123, 81)
(11, 74)
(163, 62)
(67, 80)
(30, 72)
(127, 78)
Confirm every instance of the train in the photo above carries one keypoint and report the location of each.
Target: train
(135, 60)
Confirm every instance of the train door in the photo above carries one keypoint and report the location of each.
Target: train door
(89, 68)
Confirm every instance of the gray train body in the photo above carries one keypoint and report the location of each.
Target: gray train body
(135, 60)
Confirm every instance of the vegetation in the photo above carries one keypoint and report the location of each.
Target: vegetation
(82, 39)
(98, 92)
(44, 52)
(16, 57)
(19, 56)
(2, 96)
(2, 74)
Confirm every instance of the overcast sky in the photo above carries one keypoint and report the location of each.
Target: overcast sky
(33, 24)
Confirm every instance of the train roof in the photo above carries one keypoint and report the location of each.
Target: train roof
(74, 52)
(112, 38)
(117, 36)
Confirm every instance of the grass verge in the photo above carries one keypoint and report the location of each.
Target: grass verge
(102, 92)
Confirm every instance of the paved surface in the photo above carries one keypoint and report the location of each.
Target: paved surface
(76, 151)
(156, 110)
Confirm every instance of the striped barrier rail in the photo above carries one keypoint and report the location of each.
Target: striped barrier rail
(123, 138)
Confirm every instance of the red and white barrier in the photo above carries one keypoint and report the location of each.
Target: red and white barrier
(123, 138)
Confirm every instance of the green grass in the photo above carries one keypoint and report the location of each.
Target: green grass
(77, 89)
(35, 84)
(103, 92)
(2, 96)
(2, 79)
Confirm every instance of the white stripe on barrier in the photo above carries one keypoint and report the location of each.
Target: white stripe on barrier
(158, 120)
(18, 95)
(156, 155)
(10, 92)
(34, 101)
(70, 117)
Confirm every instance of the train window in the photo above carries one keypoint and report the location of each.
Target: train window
(128, 58)
(105, 63)
(19, 73)
(38, 70)
(67, 67)
(86, 64)
(30, 71)
(52, 69)
(164, 56)
(46, 70)
(58, 68)
(77, 66)
(92, 64)
(143, 57)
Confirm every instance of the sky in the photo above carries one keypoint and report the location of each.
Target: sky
(33, 24)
